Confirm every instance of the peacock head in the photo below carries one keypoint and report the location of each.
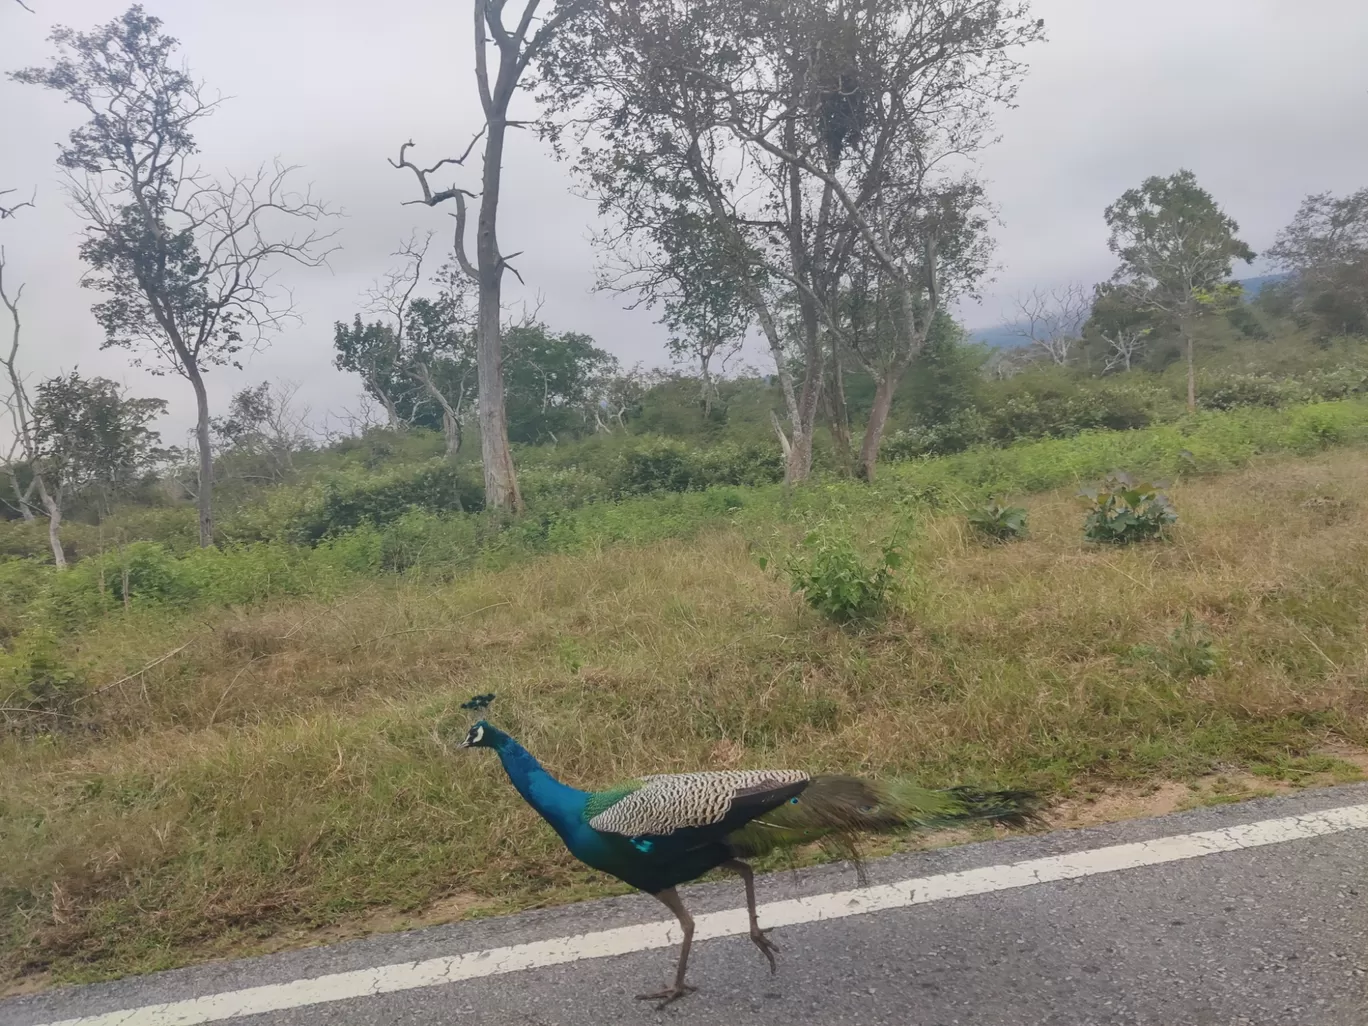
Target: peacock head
(481, 735)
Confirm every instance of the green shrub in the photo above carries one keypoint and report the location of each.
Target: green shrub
(545, 488)
(658, 465)
(998, 523)
(1188, 651)
(966, 428)
(1041, 405)
(430, 543)
(839, 581)
(346, 502)
(33, 675)
(1316, 427)
(1123, 511)
(1227, 393)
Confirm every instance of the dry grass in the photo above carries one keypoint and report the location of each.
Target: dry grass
(281, 774)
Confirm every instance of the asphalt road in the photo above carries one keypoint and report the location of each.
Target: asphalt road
(1250, 914)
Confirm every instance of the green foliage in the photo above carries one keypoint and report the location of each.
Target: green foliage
(1315, 427)
(263, 558)
(1325, 251)
(345, 502)
(838, 580)
(998, 523)
(1188, 652)
(87, 432)
(1123, 511)
(1230, 391)
(1174, 243)
(665, 465)
(34, 675)
(551, 380)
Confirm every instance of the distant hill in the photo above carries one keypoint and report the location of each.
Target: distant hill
(1004, 336)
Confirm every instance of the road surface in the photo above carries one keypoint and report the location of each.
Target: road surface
(1250, 914)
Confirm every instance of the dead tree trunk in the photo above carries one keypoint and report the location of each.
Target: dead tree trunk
(204, 497)
(53, 506)
(501, 480)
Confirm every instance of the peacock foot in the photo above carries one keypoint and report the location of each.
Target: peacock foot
(668, 995)
(767, 948)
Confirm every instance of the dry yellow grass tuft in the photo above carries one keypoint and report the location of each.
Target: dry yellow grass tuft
(280, 775)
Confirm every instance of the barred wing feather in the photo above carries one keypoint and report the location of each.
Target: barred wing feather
(665, 803)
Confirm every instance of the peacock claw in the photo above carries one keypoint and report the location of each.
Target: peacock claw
(767, 948)
(667, 995)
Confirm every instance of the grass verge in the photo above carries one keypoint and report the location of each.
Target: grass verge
(280, 772)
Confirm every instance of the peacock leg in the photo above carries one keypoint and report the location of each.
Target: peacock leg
(670, 899)
(767, 947)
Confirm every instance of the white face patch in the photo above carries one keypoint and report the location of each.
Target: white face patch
(475, 736)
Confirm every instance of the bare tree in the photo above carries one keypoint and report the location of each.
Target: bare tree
(21, 453)
(1051, 320)
(186, 260)
(515, 49)
(431, 339)
(1126, 344)
(8, 208)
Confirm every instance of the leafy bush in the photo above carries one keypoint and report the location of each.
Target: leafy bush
(1315, 427)
(33, 675)
(545, 488)
(1188, 651)
(838, 581)
(1047, 406)
(1123, 511)
(999, 523)
(665, 465)
(965, 429)
(1227, 393)
(346, 502)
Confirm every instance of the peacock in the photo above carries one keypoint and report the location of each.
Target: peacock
(663, 830)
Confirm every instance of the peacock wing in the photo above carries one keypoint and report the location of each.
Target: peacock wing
(702, 806)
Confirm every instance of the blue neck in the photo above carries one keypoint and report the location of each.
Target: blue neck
(560, 805)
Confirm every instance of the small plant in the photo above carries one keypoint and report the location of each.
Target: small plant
(998, 523)
(1188, 651)
(1123, 511)
(838, 580)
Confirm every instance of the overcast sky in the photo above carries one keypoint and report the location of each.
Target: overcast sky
(1265, 100)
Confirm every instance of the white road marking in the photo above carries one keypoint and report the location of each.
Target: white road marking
(387, 979)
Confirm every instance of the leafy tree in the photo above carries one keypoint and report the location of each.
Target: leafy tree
(440, 358)
(705, 305)
(372, 351)
(185, 260)
(946, 377)
(263, 431)
(555, 381)
(89, 436)
(811, 139)
(1325, 248)
(1175, 246)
